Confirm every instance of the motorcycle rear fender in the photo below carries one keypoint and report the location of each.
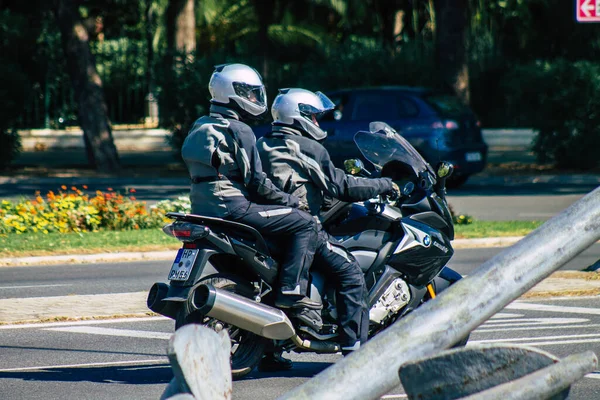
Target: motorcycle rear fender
(445, 278)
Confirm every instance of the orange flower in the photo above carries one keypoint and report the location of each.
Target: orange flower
(131, 190)
(85, 186)
(73, 188)
(63, 187)
(132, 198)
(110, 189)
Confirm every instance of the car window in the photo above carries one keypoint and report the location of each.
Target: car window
(382, 106)
(447, 105)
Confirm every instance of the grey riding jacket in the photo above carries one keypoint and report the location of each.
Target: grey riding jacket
(224, 165)
(302, 167)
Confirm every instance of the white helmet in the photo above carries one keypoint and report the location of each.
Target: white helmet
(240, 87)
(301, 109)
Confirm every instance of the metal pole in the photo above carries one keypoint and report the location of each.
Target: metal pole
(544, 383)
(372, 371)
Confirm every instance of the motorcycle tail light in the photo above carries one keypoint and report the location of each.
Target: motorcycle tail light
(451, 124)
(186, 232)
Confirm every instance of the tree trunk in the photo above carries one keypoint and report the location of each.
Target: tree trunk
(87, 87)
(181, 26)
(264, 10)
(452, 45)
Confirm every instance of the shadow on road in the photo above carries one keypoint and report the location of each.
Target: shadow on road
(133, 374)
(300, 370)
(70, 350)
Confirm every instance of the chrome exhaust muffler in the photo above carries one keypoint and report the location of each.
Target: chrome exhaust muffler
(263, 320)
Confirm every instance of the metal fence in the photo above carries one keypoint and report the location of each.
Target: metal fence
(122, 66)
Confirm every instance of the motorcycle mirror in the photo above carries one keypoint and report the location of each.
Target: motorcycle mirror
(354, 166)
(445, 169)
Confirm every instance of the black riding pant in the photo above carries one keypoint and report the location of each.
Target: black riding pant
(351, 301)
(299, 231)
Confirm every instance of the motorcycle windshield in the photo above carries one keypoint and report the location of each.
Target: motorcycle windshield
(384, 146)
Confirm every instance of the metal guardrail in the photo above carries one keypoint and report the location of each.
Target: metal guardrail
(372, 371)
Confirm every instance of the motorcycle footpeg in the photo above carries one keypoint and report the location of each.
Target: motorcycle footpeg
(312, 318)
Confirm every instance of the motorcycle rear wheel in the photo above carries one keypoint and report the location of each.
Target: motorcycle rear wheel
(247, 348)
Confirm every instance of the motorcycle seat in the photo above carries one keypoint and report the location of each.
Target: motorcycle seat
(266, 245)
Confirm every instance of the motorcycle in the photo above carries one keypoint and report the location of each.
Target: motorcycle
(402, 245)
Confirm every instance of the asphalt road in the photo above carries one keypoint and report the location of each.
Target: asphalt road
(126, 359)
(61, 280)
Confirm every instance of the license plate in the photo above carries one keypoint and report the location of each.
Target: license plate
(473, 156)
(182, 266)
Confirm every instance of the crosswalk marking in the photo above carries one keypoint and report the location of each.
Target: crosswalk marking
(559, 309)
(505, 315)
(524, 339)
(94, 330)
(535, 328)
(534, 322)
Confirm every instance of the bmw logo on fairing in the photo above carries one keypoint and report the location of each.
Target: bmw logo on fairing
(427, 240)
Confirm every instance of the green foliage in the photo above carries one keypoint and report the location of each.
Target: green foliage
(75, 211)
(561, 100)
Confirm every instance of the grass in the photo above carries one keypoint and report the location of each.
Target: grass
(483, 229)
(13, 245)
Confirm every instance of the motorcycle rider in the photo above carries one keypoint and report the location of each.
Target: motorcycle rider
(228, 181)
(297, 162)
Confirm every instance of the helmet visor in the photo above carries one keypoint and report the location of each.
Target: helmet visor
(315, 112)
(254, 94)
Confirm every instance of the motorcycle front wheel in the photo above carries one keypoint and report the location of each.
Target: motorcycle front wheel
(247, 348)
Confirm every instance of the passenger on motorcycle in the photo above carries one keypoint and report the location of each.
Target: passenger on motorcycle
(228, 181)
(296, 162)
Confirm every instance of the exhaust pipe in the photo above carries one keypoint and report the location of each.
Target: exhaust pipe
(155, 301)
(263, 320)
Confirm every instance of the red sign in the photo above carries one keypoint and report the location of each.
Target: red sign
(587, 10)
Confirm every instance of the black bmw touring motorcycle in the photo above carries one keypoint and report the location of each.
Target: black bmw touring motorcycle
(402, 245)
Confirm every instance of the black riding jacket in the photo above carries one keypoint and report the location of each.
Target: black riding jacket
(224, 165)
(302, 167)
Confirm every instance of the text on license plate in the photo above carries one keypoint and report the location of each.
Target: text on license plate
(182, 266)
(473, 156)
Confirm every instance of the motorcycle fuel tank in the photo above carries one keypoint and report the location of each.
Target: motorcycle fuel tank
(421, 253)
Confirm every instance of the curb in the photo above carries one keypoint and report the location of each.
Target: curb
(87, 258)
(169, 254)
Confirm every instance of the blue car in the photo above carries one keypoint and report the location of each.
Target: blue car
(436, 123)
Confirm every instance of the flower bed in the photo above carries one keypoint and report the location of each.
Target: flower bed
(72, 210)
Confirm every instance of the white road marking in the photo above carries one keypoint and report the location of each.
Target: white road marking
(534, 322)
(521, 339)
(526, 328)
(593, 375)
(552, 343)
(559, 309)
(102, 364)
(505, 315)
(85, 322)
(394, 396)
(93, 330)
(34, 286)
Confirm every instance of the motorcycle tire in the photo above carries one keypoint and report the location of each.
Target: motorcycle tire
(247, 348)
(463, 341)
